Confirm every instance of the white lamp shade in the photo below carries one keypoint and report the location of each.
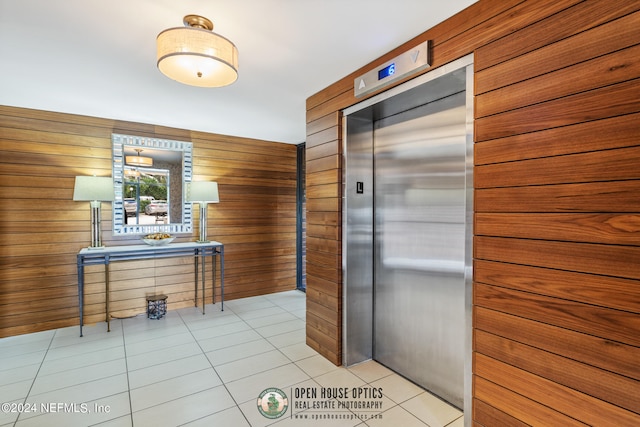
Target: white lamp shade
(91, 188)
(197, 57)
(202, 192)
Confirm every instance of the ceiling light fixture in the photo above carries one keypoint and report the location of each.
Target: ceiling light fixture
(196, 56)
(139, 160)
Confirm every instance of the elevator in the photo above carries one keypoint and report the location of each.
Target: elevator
(407, 230)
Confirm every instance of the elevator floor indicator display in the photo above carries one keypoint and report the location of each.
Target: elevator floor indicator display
(401, 66)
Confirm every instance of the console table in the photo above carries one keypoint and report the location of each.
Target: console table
(109, 254)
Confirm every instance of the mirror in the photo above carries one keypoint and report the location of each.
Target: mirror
(149, 177)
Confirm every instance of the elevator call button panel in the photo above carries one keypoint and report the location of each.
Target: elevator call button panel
(410, 62)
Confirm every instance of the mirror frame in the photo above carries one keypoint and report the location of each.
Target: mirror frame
(118, 141)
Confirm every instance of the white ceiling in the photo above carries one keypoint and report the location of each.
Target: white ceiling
(97, 57)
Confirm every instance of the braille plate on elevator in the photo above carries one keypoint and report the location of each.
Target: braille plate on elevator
(359, 187)
(409, 62)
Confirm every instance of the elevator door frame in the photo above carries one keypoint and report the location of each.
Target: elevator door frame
(358, 300)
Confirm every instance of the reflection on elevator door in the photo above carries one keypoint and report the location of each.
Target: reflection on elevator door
(419, 211)
(405, 235)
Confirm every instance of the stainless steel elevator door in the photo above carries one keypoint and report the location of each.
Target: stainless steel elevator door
(419, 245)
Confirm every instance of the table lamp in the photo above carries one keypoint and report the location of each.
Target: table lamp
(95, 190)
(202, 192)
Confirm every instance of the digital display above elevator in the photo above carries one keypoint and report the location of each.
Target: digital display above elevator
(387, 71)
(407, 63)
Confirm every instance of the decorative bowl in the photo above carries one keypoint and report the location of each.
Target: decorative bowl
(158, 239)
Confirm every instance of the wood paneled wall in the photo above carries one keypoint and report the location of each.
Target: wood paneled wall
(557, 208)
(42, 228)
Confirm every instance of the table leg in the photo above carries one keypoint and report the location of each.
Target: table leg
(195, 299)
(213, 273)
(222, 278)
(81, 292)
(204, 265)
(107, 297)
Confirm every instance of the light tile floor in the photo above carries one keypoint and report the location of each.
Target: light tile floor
(189, 369)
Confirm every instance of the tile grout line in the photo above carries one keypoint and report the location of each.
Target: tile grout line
(217, 374)
(400, 403)
(264, 338)
(36, 376)
(159, 404)
(292, 362)
(126, 366)
(26, 398)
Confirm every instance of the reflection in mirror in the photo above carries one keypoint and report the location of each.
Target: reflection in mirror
(149, 177)
(146, 196)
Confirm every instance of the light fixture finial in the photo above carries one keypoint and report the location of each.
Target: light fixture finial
(197, 21)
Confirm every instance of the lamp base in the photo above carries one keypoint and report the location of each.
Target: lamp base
(202, 235)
